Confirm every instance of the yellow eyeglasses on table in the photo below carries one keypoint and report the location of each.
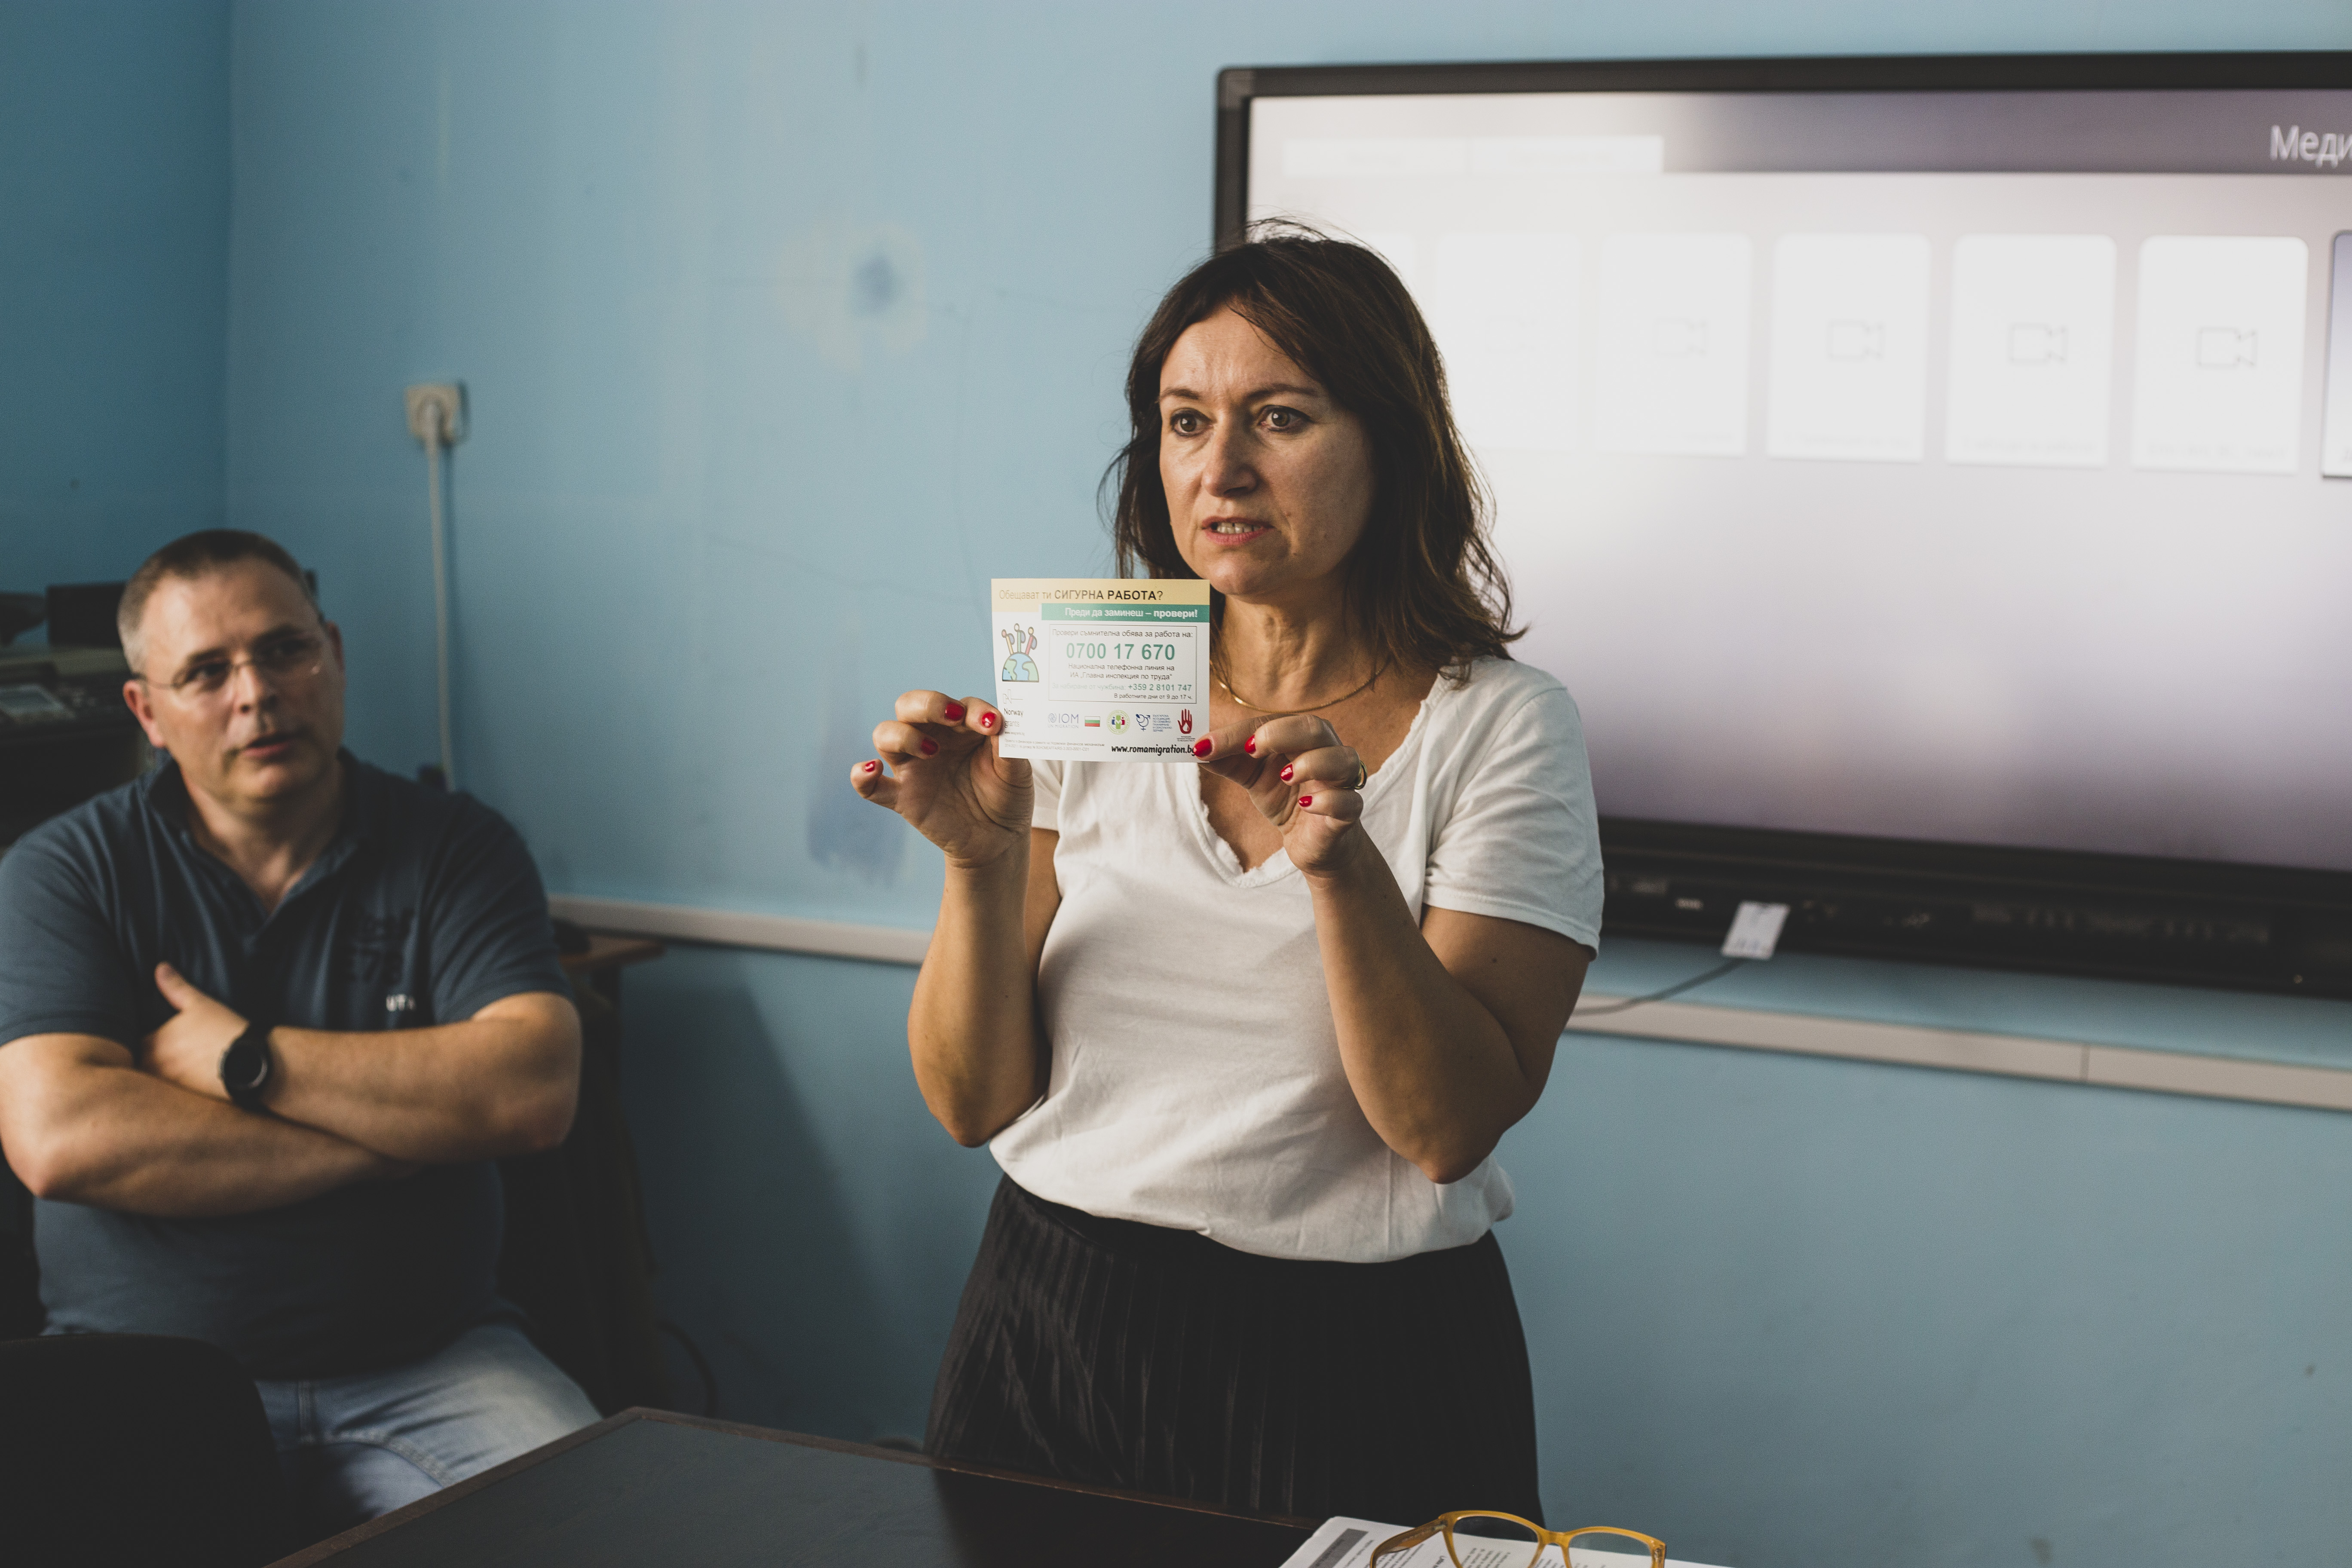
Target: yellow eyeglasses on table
(1477, 1538)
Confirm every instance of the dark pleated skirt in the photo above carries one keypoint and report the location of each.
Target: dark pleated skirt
(1127, 1355)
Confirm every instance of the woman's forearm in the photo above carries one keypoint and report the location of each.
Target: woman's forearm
(973, 1026)
(1435, 1070)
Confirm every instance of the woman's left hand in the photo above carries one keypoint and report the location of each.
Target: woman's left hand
(1302, 777)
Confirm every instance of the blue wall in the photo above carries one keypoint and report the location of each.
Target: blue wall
(785, 326)
(113, 281)
(723, 498)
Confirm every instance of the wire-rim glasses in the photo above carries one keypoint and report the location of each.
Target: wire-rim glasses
(286, 658)
(1485, 1539)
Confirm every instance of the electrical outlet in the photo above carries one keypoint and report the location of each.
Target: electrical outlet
(437, 406)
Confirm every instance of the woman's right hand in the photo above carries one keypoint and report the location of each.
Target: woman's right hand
(946, 779)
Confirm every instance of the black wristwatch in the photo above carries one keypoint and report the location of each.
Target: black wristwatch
(246, 1065)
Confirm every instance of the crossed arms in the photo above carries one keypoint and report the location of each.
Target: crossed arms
(84, 1120)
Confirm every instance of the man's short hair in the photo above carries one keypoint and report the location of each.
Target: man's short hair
(192, 555)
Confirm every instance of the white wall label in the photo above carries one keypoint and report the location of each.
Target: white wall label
(1755, 930)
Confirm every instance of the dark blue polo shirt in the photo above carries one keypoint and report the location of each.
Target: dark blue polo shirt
(425, 909)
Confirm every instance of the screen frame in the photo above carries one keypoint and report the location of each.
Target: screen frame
(2197, 923)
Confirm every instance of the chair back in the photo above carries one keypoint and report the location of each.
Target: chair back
(577, 1258)
(135, 1449)
(20, 1273)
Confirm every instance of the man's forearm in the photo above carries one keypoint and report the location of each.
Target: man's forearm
(502, 1082)
(81, 1125)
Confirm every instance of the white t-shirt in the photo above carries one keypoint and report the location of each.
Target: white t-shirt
(1196, 1081)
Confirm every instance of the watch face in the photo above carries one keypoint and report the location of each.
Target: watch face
(246, 1065)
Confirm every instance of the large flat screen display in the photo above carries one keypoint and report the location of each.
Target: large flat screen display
(1972, 465)
(1967, 463)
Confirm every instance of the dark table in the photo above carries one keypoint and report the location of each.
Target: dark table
(650, 1487)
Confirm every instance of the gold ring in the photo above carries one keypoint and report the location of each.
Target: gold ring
(1362, 773)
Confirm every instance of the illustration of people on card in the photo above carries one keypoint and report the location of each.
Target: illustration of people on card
(1019, 645)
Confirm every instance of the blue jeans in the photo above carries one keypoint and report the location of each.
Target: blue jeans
(354, 1447)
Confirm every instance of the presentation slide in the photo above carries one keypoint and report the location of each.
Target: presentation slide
(1962, 467)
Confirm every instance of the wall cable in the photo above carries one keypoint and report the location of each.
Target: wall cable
(1695, 981)
(434, 438)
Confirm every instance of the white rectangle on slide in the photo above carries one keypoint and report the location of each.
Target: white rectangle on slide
(2033, 350)
(1423, 157)
(2219, 383)
(1556, 156)
(1373, 157)
(1849, 347)
(1503, 309)
(1397, 247)
(2335, 421)
(1670, 349)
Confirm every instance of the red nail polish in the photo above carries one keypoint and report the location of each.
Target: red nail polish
(988, 721)
(1286, 771)
(930, 747)
(1200, 747)
(1250, 745)
(871, 767)
(1304, 801)
(955, 712)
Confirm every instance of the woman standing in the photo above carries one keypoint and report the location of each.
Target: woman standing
(1244, 1034)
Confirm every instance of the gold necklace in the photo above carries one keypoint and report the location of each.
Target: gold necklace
(1318, 707)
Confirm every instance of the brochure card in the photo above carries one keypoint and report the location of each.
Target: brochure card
(1101, 669)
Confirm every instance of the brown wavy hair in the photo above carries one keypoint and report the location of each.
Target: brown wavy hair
(1422, 583)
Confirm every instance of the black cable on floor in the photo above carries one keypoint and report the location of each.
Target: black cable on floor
(1717, 973)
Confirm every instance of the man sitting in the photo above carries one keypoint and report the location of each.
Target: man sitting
(267, 1015)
